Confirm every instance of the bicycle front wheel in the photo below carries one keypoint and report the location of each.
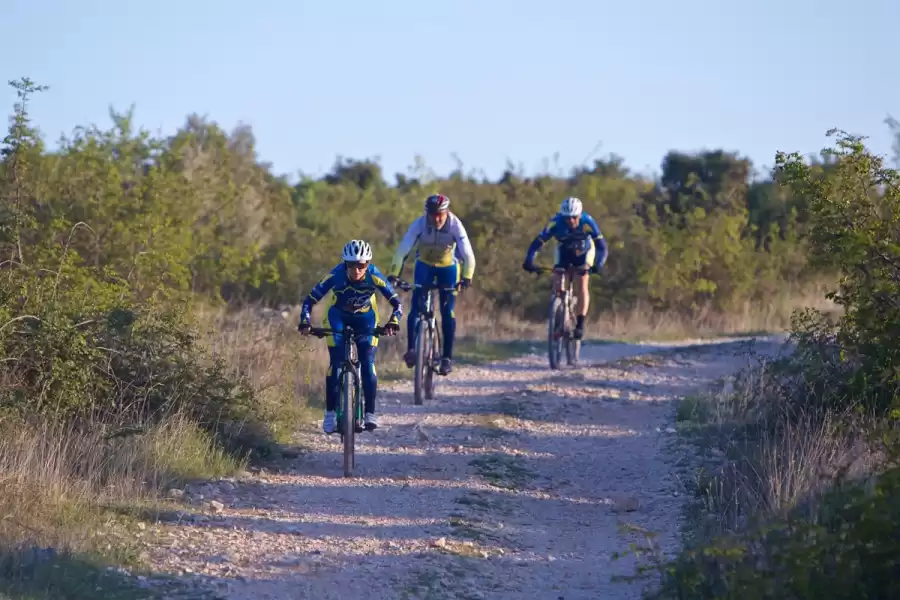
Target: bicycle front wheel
(348, 409)
(554, 332)
(421, 366)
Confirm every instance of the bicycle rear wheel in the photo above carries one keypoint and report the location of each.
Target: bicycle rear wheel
(554, 338)
(431, 357)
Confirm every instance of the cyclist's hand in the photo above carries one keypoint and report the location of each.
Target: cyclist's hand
(304, 328)
(528, 266)
(464, 284)
(393, 279)
(391, 328)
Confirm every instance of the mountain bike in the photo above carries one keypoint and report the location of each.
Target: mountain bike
(561, 322)
(428, 342)
(350, 406)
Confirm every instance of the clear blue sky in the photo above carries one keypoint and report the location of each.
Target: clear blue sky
(490, 80)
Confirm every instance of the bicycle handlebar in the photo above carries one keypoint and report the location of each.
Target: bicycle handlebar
(321, 332)
(539, 270)
(404, 286)
(407, 286)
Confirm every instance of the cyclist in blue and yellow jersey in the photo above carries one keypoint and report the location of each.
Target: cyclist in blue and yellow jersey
(353, 284)
(441, 242)
(580, 246)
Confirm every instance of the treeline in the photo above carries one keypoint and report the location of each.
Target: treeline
(106, 240)
(703, 236)
(198, 212)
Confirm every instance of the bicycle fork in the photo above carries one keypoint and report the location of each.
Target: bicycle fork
(350, 400)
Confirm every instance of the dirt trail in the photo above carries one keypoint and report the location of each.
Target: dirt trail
(513, 483)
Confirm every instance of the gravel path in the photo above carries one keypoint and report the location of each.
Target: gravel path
(514, 483)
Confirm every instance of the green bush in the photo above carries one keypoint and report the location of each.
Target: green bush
(849, 550)
(855, 208)
(93, 318)
(845, 543)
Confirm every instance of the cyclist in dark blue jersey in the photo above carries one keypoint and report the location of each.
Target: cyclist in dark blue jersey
(580, 248)
(353, 284)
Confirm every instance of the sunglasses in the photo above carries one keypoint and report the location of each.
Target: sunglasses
(356, 265)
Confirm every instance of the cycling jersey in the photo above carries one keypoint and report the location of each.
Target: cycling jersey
(352, 296)
(436, 247)
(577, 241)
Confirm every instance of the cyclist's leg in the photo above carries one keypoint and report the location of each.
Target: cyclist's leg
(365, 349)
(334, 319)
(581, 267)
(447, 278)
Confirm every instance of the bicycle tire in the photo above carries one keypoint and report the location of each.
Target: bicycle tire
(419, 374)
(554, 341)
(573, 346)
(348, 409)
(429, 362)
(573, 349)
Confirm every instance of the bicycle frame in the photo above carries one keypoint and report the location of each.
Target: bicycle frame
(428, 341)
(561, 320)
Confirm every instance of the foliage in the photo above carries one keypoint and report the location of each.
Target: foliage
(856, 228)
(95, 281)
(800, 425)
(849, 550)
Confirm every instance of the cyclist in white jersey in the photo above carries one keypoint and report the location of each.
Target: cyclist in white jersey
(441, 241)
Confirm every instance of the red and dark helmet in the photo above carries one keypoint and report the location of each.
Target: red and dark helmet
(437, 203)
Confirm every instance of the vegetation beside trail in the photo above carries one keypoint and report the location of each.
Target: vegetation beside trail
(800, 495)
(149, 289)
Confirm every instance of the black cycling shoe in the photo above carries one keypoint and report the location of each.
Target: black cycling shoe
(446, 366)
(579, 331)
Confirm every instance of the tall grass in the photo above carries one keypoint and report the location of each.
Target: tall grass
(64, 488)
(784, 483)
(773, 455)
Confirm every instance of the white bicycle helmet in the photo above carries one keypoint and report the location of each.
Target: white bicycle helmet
(357, 251)
(570, 207)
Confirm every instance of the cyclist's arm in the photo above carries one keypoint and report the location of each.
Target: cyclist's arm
(465, 248)
(599, 241)
(315, 295)
(539, 241)
(406, 245)
(388, 291)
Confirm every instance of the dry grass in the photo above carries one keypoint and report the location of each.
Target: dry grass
(644, 324)
(68, 490)
(770, 458)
